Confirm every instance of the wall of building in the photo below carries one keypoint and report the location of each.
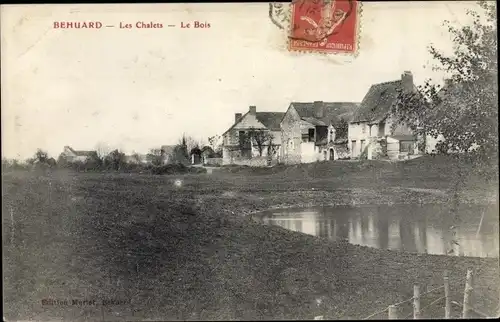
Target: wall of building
(392, 148)
(364, 131)
(229, 154)
(291, 137)
(230, 150)
(253, 162)
(212, 161)
(309, 153)
(398, 130)
(246, 123)
(340, 151)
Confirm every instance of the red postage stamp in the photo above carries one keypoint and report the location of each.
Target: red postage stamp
(328, 26)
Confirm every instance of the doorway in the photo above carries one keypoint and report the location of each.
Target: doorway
(332, 155)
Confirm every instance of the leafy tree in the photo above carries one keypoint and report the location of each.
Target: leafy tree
(62, 162)
(180, 153)
(465, 111)
(156, 156)
(51, 162)
(115, 160)
(41, 157)
(93, 161)
(136, 158)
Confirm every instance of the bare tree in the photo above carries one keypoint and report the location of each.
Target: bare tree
(261, 138)
(342, 128)
(215, 143)
(189, 142)
(102, 150)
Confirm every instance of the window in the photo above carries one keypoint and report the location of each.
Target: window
(362, 146)
(406, 146)
(310, 133)
(381, 129)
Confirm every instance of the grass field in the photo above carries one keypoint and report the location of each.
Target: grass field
(192, 252)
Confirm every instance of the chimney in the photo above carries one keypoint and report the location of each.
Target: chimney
(407, 80)
(318, 109)
(253, 110)
(237, 117)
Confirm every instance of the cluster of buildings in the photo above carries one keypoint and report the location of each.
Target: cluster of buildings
(309, 132)
(166, 153)
(320, 131)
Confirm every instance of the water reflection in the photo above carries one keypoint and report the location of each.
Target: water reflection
(409, 228)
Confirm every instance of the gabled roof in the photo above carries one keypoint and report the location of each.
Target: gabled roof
(271, 120)
(377, 103)
(80, 153)
(333, 112)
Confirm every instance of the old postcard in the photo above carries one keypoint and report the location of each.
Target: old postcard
(306, 160)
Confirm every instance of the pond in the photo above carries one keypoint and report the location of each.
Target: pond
(411, 228)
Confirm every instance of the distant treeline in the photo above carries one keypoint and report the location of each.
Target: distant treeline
(115, 161)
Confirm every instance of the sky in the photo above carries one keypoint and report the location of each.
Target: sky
(137, 89)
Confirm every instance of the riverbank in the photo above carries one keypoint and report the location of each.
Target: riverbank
(188, 251)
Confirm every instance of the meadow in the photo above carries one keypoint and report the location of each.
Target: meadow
(160, 251)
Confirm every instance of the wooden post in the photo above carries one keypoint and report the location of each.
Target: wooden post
(480, 224)
(498, 311)
(467, 293)
(393, 312)
(447, 305)
(416, 301)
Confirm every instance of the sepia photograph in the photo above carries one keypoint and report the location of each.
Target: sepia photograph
(303, 160)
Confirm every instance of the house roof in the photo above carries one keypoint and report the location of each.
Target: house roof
(271, 120)
(333, 112)
(377, 102)
(80, 153)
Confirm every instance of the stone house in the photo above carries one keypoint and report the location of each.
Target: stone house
(372, 133)
(71, 155)
(309, 131)
(238, 147)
